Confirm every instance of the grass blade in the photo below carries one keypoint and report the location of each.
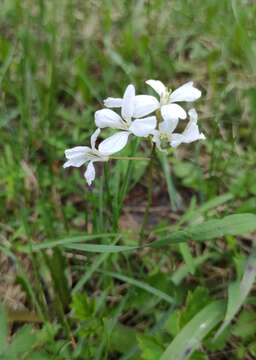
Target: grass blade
(238, 292)
(3, 329)
(237, 224)
(62, 242)
(190, 337)
(98, 248)
(141, 285)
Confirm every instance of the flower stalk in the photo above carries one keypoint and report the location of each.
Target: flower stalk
(149, 193)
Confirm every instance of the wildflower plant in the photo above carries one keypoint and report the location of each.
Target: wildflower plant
(142, 116)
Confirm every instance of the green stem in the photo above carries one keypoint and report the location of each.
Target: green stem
(149, 195)
(128, 158)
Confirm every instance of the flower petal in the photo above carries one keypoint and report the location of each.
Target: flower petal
(186, 92)
(75, 160)
(144, 105)
(113, 102)
(168, 126)
(192, 133)
(143, 127)
(193, 115)
(76, 151)
(108, 118)
(94, 138)
(176, 140)
(173, 111)
(90, 173)
(114, 143)
(157, 85)
(128, 103)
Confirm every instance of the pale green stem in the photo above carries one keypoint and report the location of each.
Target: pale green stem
(128, 158)
(149, 197)
(150, 184)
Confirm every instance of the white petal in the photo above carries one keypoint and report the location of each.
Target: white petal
(186, 92)
(114, 143)
(192, 133)
(157, 85)
(143, 127)
(128, 103)
(76, 161)
(173, 111)
(193, 115)
(113, 102)
(94, 138)
(168, 126)
(76, 151)
(90, 173)
(176, 140)
(108, 118)
(144, 105)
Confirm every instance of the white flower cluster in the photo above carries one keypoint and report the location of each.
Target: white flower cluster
(142, 116)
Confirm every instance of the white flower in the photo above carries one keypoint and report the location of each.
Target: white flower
(80, 155)
(140, 105)
(166, 128)
(191, 132)
(164, 132)
(138, 127)
(170, 110)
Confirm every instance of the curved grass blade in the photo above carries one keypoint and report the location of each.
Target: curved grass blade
(237, 224)
(98, 248)
(141, 285)
(191, 336)
(238, 292)
(62, 242)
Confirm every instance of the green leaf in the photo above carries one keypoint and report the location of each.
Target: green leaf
(238, 291)
(187, 257)
(123, 338)
(191, 335)
(141, 285)
(97, 248)
(22, 342)
(150, 348)
(245, 326)
(195, 301)
(237, 224)
(63, 242)
(82, 306)
(3, 329)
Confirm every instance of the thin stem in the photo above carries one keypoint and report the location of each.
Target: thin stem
(149, 197)
(128, 158)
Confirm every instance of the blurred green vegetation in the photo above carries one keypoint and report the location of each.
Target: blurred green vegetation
(58, 61)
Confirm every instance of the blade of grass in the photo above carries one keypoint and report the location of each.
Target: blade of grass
(62, 242)
(88, 274)
(96, 248)
(3, 329)
(191, 335)
(237, 224)
(238, 292)
(141, 285)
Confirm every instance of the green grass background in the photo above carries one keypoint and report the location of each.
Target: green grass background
(58, 61)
